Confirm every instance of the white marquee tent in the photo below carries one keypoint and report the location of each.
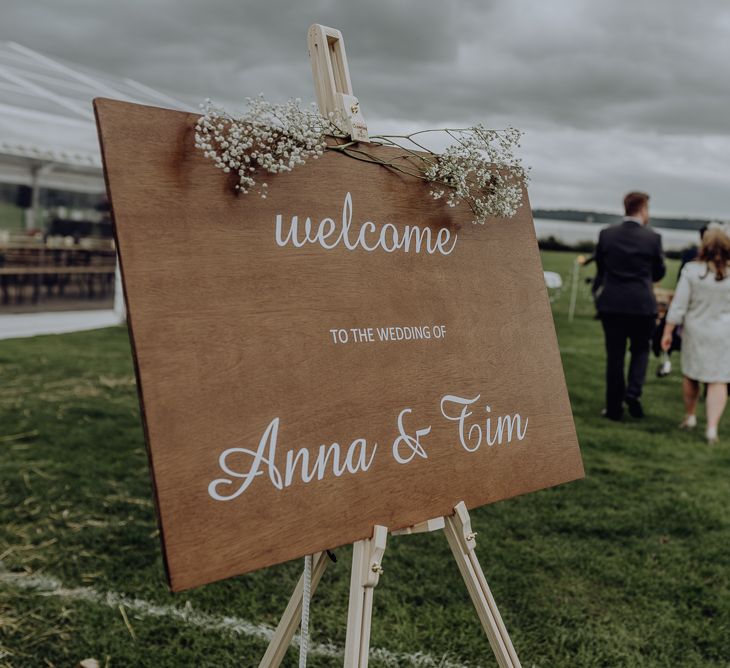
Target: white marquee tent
(48, 140)
(47, 130)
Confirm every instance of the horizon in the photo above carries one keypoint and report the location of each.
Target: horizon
(659, 215)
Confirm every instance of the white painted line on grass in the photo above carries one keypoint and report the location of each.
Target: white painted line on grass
(44, 585)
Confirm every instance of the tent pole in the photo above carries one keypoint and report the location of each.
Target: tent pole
(33, 215)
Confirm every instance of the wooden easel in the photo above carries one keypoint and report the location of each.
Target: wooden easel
(334, 94)
(366, 570)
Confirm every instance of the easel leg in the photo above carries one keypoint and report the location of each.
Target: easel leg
(357, 603)
(292, 615)
(462, 542)
(366, 570)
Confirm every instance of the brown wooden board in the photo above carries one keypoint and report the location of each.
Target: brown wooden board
(232, 336)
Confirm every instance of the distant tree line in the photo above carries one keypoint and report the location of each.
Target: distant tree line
(552, 243)
(599, 218)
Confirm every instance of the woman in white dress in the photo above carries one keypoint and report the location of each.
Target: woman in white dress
(701, 305)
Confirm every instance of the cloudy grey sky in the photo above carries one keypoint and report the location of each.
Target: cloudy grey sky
(612, 96)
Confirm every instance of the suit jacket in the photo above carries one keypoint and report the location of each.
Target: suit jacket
(630, 259)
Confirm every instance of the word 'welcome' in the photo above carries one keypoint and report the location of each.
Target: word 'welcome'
(369, 237)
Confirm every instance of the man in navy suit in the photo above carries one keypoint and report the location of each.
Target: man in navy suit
(630, 259)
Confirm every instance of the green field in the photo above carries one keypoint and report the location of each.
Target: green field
(630, 567)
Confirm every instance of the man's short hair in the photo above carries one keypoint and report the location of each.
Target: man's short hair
(634, 201)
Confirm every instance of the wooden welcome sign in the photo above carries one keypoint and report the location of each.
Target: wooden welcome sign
(344, 353)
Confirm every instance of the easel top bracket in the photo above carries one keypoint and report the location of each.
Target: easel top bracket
(332, 83)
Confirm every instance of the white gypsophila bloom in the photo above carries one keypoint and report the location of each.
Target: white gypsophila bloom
(480, 168)
(274, 138)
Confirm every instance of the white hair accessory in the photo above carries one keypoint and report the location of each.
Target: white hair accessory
(722, 227)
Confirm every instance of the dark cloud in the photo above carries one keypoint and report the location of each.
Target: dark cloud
(613, 92)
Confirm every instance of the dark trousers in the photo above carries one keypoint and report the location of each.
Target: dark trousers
(638, 330)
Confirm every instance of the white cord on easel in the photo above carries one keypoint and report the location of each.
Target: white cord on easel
(306, 597)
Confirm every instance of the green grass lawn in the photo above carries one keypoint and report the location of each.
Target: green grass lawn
(629, 567)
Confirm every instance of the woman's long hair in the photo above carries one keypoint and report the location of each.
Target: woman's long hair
(715, 249)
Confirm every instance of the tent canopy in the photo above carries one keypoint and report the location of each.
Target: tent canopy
(47, 129)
